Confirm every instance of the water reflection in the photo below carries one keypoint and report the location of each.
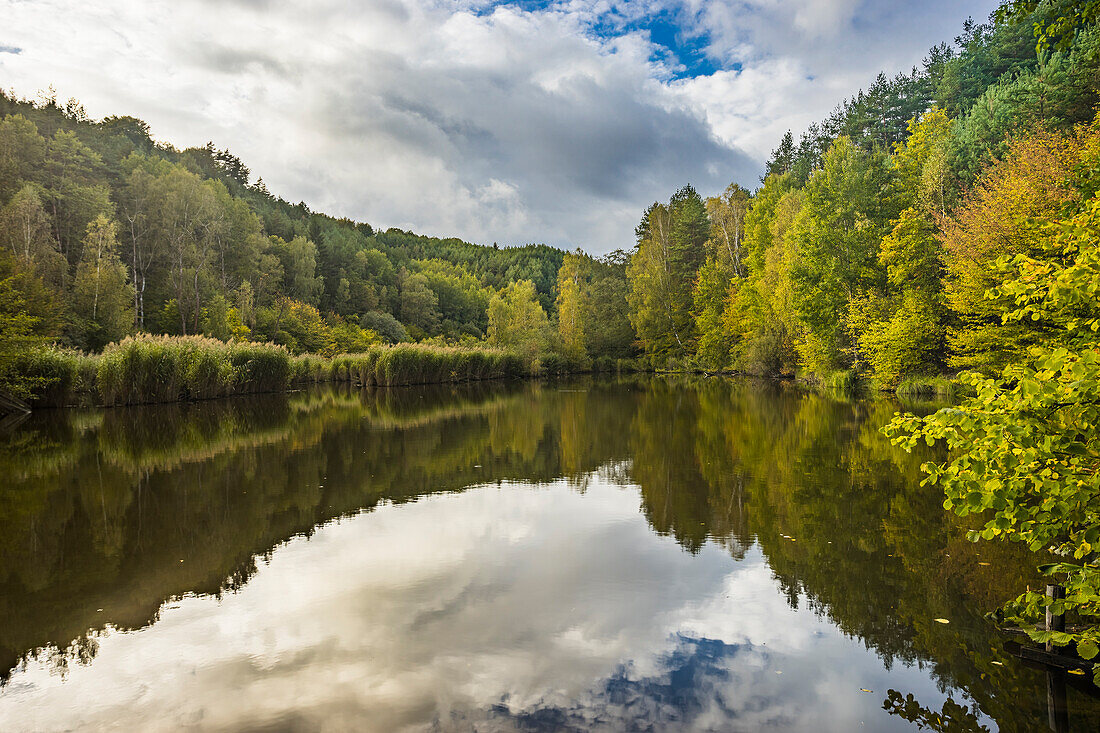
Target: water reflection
(619, 555)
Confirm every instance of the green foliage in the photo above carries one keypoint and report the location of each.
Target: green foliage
(714, 290)
(572, 308)
(1003, 216)
(296, 325)
(103, 300)
(907, 341)
(837, 233)
(385, 325)
(419, 305)
(348, 338)
(216, 319)
(717, 322)
(28, 316)
(1055, 24)
(662, 270)
(593, 320)
(200, 250)
(517, 322)
(1025, 447)
(461, 299)
(25, 230)
(1057, 94)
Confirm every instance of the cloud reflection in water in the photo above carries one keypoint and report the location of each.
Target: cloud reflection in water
(516, 607)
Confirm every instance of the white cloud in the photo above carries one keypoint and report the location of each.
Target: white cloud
(428, 615)
(456, 118)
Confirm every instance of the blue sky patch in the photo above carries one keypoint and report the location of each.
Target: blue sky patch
(683, 50)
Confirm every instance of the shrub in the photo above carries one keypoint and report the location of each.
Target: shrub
(60, 377)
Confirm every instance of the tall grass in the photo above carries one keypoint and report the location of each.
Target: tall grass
(847, 382)
(410, 364)
(145, 369)
(926, 387)
(60, 377)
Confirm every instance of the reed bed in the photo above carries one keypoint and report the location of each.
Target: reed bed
(147, 369)
(143, 369)
(405, 364)
(926, 387)
(60, 377)
(847, 382)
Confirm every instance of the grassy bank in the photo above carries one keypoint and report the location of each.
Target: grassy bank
(926, 388)
(404, 364)
(146, 369)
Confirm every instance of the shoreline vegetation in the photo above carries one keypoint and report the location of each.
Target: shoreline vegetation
(155, 369)
(147, 369)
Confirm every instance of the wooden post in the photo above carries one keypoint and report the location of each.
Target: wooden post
(1057, 709)
(1055, 622)
(1057, 712)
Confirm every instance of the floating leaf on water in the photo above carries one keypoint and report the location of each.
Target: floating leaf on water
(983, 563)
(942, 621)
(999, 664)
(864, 689)
(1075, 671)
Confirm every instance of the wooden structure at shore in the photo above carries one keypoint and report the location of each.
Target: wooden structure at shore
(1062, 669)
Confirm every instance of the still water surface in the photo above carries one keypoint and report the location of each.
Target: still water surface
(591, 555)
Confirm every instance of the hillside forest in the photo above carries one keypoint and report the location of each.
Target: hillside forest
(871, 248)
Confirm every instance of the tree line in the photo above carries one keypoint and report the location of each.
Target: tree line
(105, 232)
(872, 242)
(868, 249)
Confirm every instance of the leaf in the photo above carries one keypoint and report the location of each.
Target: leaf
(1087, 649)
(942, 621)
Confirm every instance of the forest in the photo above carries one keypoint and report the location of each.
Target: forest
(870, 252)
(106, 233)
(873, 247)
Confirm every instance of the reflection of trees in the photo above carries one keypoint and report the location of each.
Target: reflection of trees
(843, 522)
(103, 505)
(951, 718)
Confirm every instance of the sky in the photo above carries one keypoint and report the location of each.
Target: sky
(507, 122)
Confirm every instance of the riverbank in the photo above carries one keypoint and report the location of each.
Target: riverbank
(148, 369)
(848, 382)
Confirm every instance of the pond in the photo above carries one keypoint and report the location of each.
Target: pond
(592, 554)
